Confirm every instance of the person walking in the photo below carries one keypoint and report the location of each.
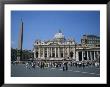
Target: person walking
(63, 65)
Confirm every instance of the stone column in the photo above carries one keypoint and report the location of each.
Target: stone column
(67, 52)
(55, 51)
(51, 51)
(39, 52)
(94, 55)
(63, 53)
(34, 53)
(74, 54)
(47, 52)
(77, 56)
(98, 55)
(58, 52)
(87, 56)
(82, 56)
(90, 55)
(43, 52)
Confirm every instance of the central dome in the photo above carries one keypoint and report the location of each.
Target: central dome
(59, 35)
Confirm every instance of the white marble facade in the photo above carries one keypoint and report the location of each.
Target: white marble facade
(60, 48)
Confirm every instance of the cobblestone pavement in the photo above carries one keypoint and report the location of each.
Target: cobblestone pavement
(20, 70)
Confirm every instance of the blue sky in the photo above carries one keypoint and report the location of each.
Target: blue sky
(44, 24)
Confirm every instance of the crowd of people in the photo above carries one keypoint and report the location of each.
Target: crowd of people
(62, 64)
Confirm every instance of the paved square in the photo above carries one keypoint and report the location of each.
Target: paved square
(20, 70)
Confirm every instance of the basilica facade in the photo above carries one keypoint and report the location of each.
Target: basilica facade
(61, 48)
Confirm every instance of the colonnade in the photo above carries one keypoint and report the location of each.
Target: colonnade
(61, 52)
(56, 52)
(87, 55)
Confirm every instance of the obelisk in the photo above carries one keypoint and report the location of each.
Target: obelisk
(20, 42)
